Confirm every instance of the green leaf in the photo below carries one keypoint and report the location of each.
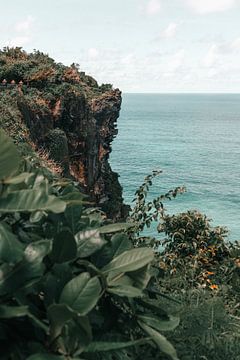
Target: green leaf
(163, 344)
(73, 215)
(64, 247)
(112, 228)
(98, 346)
(153, 306)
(55, 281)
(8, 312)
(9, 156)
(88, 242)
(81, 293)
(29, 201)
(119, 279)
(141, 277)
(76, 335)
(45, 356)
(116, 246)
(159, 324)
(27, 271)
(36, 251)
(130, 260)
(73, 198)
(36, 216)
(125, 290)
(19, 179)
(75, 331)
(119, 244)
(58, 315)
(11, 250)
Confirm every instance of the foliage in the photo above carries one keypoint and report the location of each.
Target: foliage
(200, 270)
(40, 71)
(71, 286)
(106, 87)
(144, 212)
(193, 245)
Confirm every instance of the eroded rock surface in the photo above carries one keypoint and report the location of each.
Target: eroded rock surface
(64, 112)
(78, 132)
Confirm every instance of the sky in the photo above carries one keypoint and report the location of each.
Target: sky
(152, 46)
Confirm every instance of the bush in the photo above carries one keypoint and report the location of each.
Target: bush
(200, 270)
(71, 286)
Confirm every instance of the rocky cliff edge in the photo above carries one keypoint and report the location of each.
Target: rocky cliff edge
(62, 112)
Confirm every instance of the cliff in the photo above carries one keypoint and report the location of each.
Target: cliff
(61, 112)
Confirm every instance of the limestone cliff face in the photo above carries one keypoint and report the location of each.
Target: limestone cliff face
(78, 132)
(65, 112)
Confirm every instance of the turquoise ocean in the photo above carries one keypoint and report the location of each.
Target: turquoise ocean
(195, 140)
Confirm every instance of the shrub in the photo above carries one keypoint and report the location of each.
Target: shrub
(71, 286)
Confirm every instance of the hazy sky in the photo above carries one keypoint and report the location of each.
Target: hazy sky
(137, 45)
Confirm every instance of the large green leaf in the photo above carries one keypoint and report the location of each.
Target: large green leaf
(8, 312)
(19, 179)
(75, 331)
(98, 346)
(130, 260)
(153, 306)
(9, 156)
(164, 345)
(36, 251)
(81, 293)
(112, 228)
(11, 250)
(159, 324)
(58, 315)
(54, 282)
(116, 246)
(30, 200)
(45, 356)
(73, 198)
(119, 279)
(76, 335)
(73, 215)
(141, 277)
(119, 244)
(64, 247)
(125, 290)
(27, 271)
(88, 242)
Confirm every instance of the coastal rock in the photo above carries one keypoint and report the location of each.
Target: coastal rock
(66, 113)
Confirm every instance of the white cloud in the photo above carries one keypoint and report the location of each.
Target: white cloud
(93, 53)
(174, 63)
(170, 31)
(211, 57)
(25, 25)
(128, 59)
(235, 44)
(209, 6)
(153, 7)
(216, 52)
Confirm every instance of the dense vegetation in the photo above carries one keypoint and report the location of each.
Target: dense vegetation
(75, 286)
(70, 285)
(44, 83)
(200, 271)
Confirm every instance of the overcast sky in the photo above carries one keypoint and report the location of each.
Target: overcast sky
(137, 45)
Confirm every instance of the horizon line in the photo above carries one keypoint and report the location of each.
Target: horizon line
(181, 93)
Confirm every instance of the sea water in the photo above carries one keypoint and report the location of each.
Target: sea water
(195, 140)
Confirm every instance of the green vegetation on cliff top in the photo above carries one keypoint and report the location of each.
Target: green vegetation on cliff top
(44, 82)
